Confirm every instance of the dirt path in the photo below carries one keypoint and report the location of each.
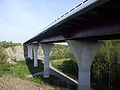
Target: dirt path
(11, 83)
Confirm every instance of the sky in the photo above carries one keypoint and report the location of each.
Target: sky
(21, 20)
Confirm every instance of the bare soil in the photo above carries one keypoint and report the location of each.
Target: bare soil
(12, 83)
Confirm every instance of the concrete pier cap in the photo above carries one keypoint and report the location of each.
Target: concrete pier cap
(84, 52)
(46, 50)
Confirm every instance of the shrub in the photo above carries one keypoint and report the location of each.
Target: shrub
(4, 66)
(105, 67)
(3, 55)
(61, 52)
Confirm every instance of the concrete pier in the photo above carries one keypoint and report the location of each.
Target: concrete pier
(84, 52)
(30, 55)
(35, 50)
(46, 50)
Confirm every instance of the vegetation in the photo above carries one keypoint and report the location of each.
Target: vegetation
(60, 52)
(105, 68)
(5, 44)
(67, 67)
(24, 68)
(105, 72)
(21, 70)
(4, 66)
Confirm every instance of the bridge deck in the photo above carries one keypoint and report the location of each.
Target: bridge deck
(92, 19)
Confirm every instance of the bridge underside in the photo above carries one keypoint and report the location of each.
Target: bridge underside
(81, 30)
(99, 23)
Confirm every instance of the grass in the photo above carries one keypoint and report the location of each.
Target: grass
(67, 67)
(4, 68)
(57, 64)
(23, 68)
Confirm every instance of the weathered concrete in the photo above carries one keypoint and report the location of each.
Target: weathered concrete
(46, 50)
(84, 52)
(35, 50)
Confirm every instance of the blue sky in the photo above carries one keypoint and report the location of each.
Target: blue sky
(20, 20)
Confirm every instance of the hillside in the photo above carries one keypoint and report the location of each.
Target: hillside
(12, 83)
(58, 52)
(15, 52)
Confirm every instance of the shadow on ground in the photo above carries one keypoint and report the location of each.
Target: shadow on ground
(53, 80)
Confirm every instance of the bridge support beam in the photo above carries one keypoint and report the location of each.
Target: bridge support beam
(30, 55)
(46, 50)
(35, 50)
(84, 52)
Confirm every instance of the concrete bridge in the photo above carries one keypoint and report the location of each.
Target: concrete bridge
(82, 28)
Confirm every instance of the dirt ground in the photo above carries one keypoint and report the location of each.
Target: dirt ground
(11, 83)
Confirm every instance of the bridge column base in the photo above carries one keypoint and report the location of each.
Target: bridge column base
(35, 50)
(84, 52)
(46, 50)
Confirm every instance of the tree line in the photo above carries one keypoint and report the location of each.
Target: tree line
(105, 70)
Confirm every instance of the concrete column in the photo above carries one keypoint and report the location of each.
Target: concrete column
(28, 46)
(84, 52)
(31, 55)
(30, 51)
(35, 50)
(46, 50)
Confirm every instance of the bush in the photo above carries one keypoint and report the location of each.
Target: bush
(4, 66)
(61, 52)
(68, 67)
(3, 55)
(105, 66)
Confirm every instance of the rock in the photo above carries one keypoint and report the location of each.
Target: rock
(16, 52)
(11, 61)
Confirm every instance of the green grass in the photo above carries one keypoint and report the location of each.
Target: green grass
(21, 70)
(4, 68)
(24, 68)
(66, 67)
(9, 44)
(57, 64)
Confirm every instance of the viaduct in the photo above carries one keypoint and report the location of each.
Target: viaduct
(82, 28)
